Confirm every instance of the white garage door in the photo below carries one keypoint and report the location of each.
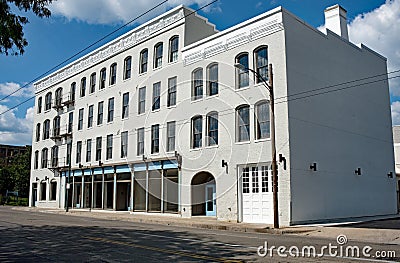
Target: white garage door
(257, 194)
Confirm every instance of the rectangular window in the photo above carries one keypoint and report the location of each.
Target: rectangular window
(246, 180)
(103, 75)
(100, 113)
(140, 141)
(43, 191)
(54, 156)
(110, 116)
(109, 146)
(45, 156)
(158, 51)
(92, 83)
(38, 132)
(127, 68)
(171, 101)
(124, 144)
(243, 124)
(53, 191)
(90, 116)
(142, 100)
(70, 121)
(156, 96)
(155, 138)
(80, 120)
(98, 148)
(197, 128)
(242, 74)
(79, 152)
(88, 150)
(171, 136)
(261, 61)
(212, 124)
(113, 74)
(173, 49)
(262, 121)
(36, 164)
(143, 61)
(69, 151)
(83, 87)
(125, 105)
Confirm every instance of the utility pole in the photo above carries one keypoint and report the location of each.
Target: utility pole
(270, 87)
(273, 148)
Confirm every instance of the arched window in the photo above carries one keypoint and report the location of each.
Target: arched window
(83, 87)
(36, 161)
(261, 64)
(113, 74)
(45, 156)
(72, 92)
(173, 48)
(212, 79)
(212, 128)
(103, 75)
(242, 75)
(54, 156)
(143, 61)
(58, 99)
(197, 84)
(46, 129)
(197, 131)
(243, 123)
(38, 132)
(39, 105)
(262, 124)
(47, 101)
(92, 83)
(158, 54)
(127, 67)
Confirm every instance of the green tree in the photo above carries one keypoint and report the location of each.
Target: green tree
(6, 180)
(12, 40)
(20, 170)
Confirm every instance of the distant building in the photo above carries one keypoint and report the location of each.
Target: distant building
(161, 120)
(396, 141)
(7, 152)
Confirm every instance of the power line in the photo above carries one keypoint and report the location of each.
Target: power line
(86, 48)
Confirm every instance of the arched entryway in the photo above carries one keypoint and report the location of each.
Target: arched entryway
(203, 195)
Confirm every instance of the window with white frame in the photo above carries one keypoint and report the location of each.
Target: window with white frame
(36, 161)
(125, 105)
(255, 179)
(110, 114)
(72, 92)
(68, 154)
(155, 138)
(212, 128)
(127, 67)
(100, 109)
(47, 101)
(261, 64)
(142, 100)
(262, 126)
(124, 144)
(212, 79)
(242, 75)
(197, 84)
(243, 123)
(56, 126)
(39, 105)
(98, 148)
(45, 157)
(246, 180)
(70, 122)
(54, 156)
(46, 129)
(171, 136)
(158, 54)
(197, 131)
(140, 141)
(80, 119)
(90, 116)
(143, 60)
(38, 132)
(156, 96)
(173, 48)
(109, 147)
(103, 76)
(92, 83)
(171, 99)
(113, 74)
(83, 87)
(88, 150)
(58, 95)
(78, 151)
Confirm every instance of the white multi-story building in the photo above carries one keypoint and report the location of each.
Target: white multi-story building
(161, 120)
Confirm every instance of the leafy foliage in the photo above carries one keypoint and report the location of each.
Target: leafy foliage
(12, 40)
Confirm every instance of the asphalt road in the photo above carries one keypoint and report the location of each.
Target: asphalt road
(45, 237)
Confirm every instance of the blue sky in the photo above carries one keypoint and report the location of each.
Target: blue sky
(75, 24)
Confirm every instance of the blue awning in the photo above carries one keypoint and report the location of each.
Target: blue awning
(78, 173)
(108, 170)
(87, 172)
(154, 166)
(139, 167)
(123, 169)
(170, 164)
(98, 171)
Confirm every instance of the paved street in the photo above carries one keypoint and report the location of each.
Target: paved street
(47, 237)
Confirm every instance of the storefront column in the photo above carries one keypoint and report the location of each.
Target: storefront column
(162, 190)
(147, 187)
(115, 192)
(132, 187)
(102, 190)
(179, 191)
(92, 198)
(83, 189)
(73, 191)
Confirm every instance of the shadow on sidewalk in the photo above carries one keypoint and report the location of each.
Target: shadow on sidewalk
(393, 223)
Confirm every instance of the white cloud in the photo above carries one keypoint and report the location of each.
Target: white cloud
(380, 31)
(14, 130)
(10, 87)
(396, 112)
(117, 11)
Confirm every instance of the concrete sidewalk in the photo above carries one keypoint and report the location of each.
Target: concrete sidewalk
(383, 231)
